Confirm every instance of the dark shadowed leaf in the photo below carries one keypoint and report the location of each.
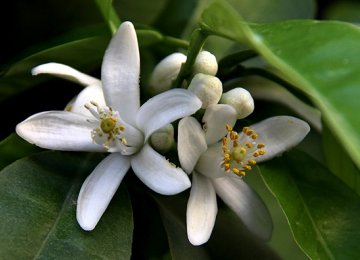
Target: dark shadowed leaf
(37, 211)
(322, 211)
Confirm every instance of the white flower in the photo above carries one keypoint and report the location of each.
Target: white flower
(205, 63)
(241, 100)
(121, 127)
(217, 167)
(92, 92)
(207, 88)
(165, 72)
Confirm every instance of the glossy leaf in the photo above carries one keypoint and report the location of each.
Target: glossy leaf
(180, 247)
(321, 210)
(13, 148)
(230, 238)
(319, 58)
(339, 161)
(259, 11)
(38, 205)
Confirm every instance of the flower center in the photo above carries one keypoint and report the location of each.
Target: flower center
(110, 132)
(108, 124)
(241, 150)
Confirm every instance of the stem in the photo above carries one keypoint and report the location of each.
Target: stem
(235, 58)
(176, 42)
(197, 40)
(109, 14)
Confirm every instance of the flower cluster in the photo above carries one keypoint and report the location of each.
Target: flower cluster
(107, 117)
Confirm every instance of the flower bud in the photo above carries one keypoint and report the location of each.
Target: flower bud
(166, 72)
(205, 63)
(163, 138)
(207, 88)
(241, 100)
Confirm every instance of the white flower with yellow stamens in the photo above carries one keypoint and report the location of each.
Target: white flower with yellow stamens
(119, 126)
(218, 163)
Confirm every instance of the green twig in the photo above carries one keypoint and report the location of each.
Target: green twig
(197, 41)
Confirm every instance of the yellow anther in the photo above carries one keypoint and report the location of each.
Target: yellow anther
(240, 150)
(229, 128)
(227, 156)
(260, 146)
(249, 132)
(122, 128)
(234, 136)
(251, 161)
(236, 170)
(247, 167)
(226, 166)
(249, 145)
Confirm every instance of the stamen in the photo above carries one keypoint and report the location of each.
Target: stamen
(109, 134)
(240, 150)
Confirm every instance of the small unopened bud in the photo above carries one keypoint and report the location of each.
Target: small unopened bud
(163, 138)
(241, 100)
(205, 63)
(165, 72)
(207, 88)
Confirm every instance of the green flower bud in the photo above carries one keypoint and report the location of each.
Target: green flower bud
(241, 100)
(166, 72)
(207, 88)
(163, 138)
(205, 63)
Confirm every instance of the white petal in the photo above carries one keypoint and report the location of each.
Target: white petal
(191, 143)
(90, 93)
(120, 73)
(158, 173)
(201, 210)
(99, 188)
(66, 72)
(59, 130)
(246, 204)
(216, 118)
(279, 134)
(166, 108)
(209, 163)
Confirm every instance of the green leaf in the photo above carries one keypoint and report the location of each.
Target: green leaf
(83, 54)
(274, 10)
(345, 10)
(319, 58)
(261, 11)
(109, 13)
(323, 212)
(38, 205)
(339, 161)
(229, 239)
(13, 148)
(172, 211)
